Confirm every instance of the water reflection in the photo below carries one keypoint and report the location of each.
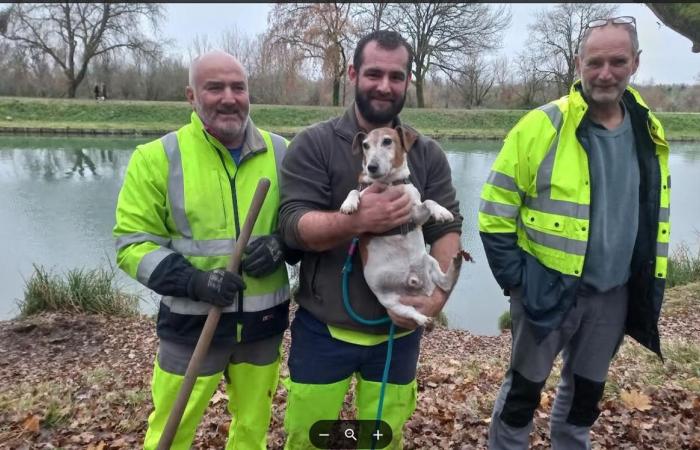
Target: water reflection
(57, 200)
(81, 160)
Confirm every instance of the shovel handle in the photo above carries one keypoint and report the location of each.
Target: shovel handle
(202, 347)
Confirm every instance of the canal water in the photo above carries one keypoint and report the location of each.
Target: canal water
(57, 200)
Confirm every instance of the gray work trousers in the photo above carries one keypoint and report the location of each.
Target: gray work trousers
(588, 338)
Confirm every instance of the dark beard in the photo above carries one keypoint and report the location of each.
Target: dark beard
(373, 116)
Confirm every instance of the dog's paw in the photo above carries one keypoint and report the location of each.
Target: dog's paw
(443, 215)
(348, 207)
(351, 203)
(439, 212)
(421, 319)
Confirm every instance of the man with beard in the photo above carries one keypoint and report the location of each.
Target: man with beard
(179, 212)
(574, 218)
(328, 347)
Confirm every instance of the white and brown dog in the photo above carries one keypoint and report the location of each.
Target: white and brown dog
(397, 264)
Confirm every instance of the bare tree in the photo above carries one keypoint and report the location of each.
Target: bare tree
(555, 35)
(73, 34)
(370, 17)
(277, 78)
(199, 45)
(443, 34)
(163, 78)
(321, 30)
(532, 82)
(476, 80)
(504, 81)
(242, 47)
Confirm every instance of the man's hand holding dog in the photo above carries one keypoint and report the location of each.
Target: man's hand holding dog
(443, 250)
(429, 306)
(382, 208)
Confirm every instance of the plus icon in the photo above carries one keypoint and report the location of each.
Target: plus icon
(377, 434)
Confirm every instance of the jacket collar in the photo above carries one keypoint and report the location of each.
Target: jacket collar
(347, 126)
(252, 143)
(632, 100)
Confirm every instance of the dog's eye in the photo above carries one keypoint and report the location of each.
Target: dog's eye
(386, 142)
(365, 145)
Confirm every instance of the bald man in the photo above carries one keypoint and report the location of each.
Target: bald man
(179, 212)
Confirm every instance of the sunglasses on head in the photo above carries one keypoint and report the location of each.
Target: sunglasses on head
(622, 20)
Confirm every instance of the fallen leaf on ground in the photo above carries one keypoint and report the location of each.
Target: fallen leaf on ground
(31, 423)
(217, 397)
(635, 400)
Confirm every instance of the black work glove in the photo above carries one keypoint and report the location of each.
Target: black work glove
(218, 287)
(263, 256)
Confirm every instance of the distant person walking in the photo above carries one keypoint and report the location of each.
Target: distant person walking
(574, 218)
(97, 91)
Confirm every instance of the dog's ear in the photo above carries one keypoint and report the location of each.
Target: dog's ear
(357, 143)
(407, 136)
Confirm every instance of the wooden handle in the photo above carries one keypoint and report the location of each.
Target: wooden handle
(202, 347)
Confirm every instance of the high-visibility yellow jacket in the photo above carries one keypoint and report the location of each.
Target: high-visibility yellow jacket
(535, 207)
(184, 196)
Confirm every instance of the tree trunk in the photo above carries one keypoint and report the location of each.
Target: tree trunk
(336, 91)
(345, 84)
(420, 103)
(72, 88)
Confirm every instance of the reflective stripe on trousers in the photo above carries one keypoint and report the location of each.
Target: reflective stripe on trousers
(249, 403)
(327, 401)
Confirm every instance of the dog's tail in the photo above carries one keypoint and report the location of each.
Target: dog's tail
(448, 280)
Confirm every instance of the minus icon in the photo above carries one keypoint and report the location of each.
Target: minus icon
(324, 434)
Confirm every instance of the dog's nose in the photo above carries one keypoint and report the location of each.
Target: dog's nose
(372, 167)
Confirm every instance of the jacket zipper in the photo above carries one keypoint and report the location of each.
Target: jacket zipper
(234, 198)
(236, 222)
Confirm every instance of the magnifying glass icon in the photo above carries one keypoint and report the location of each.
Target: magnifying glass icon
(350, 434)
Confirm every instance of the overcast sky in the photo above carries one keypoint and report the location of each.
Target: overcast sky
(665, 58)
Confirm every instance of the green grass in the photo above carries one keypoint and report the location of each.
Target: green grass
(97, 376)
(504, 321)
(156, 116)
(683, 267)
(441, 319)
(78, 291)
(52, 401)
(681, 363)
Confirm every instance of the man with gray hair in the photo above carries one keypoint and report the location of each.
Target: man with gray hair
(178, 216)
(574, 219)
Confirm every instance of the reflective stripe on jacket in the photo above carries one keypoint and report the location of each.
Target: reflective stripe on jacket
(538, 195)
(183, 193)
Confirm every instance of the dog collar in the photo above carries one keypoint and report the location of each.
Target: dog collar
(361, 186)
(402, 229)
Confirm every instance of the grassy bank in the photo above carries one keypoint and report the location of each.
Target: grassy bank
(77, 291)
(683, 266)
(151, 117)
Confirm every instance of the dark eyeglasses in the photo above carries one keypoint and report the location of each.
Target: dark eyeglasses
(622, 20)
